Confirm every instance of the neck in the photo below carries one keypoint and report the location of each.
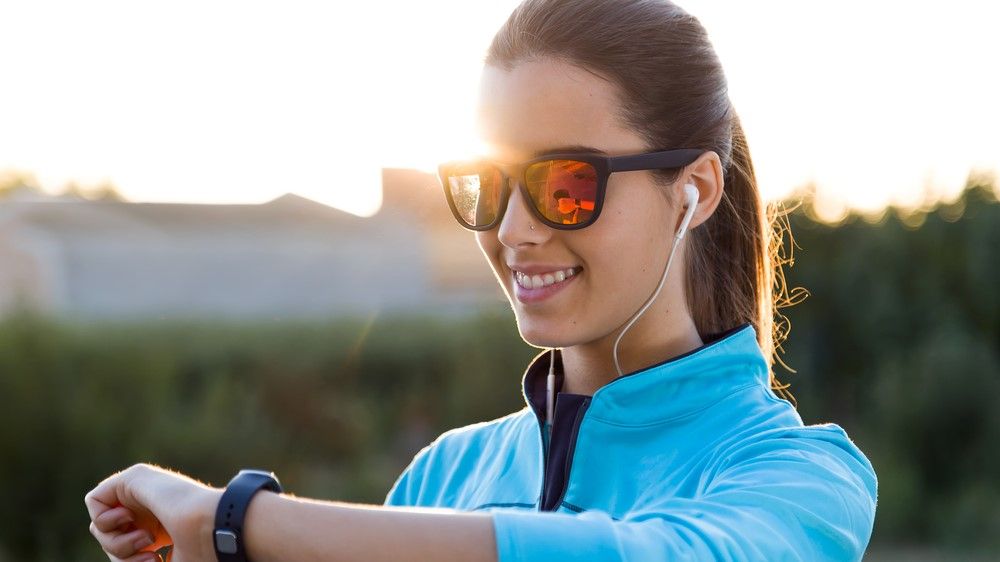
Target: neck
(587, 367)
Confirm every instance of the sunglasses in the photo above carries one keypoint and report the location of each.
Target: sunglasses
(565, 191)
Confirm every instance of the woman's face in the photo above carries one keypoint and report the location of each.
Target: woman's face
(545, 106)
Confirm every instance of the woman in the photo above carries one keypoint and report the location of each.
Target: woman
(651, 429)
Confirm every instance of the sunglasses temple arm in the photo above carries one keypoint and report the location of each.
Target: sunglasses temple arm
(654, 160)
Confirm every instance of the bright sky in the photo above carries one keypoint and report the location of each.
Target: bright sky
(225, 101)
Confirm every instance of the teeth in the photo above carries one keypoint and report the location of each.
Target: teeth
(543, 280)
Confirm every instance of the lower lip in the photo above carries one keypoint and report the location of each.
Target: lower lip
(528, 296)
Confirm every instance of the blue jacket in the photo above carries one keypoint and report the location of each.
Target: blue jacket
(691, 459)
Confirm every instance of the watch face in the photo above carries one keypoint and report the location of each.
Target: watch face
(225, 542)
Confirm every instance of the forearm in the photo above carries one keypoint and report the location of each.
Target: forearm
(281, 528)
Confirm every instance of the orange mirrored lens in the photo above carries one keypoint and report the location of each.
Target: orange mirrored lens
(564, 191)
(475, 191)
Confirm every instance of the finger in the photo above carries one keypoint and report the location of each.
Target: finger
(140, 557)
(122, 545)
(113, 519)
(103, 497)
(95, 506)
(143, 557)
(109, 493)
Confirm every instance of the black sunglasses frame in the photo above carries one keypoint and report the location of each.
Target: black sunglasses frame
(603, 165)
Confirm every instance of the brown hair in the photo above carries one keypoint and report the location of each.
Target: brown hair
(674, 93)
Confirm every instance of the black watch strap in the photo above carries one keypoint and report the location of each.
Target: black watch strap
(228, 533)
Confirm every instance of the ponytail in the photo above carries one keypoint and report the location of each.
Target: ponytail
(734, 270)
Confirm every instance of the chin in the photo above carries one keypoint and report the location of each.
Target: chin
(545, 334)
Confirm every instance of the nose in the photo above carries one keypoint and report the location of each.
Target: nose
(515, 227)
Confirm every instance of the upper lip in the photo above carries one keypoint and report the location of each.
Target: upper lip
(535, 268)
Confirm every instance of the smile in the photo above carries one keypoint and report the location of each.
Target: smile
(540, 280)
(530, 289)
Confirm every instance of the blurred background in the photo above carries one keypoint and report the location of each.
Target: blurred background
(221, 245)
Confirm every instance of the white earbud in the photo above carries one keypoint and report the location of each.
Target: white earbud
(691, 202)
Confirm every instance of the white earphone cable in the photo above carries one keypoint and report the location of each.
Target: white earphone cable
(550, 387)
(649, 301)
(691, 197)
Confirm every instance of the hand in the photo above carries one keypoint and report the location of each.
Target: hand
(141, 509)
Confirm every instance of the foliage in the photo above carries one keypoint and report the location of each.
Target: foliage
(12, 182)
(899, 343)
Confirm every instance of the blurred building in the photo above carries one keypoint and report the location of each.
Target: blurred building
(290, 257)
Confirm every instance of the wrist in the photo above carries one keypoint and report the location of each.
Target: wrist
(230, 524)
(204, 523)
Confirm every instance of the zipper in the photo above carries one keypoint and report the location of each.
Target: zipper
(572, 449)
(577, 422)
(545, 461)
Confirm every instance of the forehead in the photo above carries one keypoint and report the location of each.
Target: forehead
(542, 104)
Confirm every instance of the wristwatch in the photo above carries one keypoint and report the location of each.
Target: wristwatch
(228, 532)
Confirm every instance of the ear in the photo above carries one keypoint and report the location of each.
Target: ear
(706, 175)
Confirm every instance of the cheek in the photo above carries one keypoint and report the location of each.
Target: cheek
(482, 239)
(628, 240)
(489, 244)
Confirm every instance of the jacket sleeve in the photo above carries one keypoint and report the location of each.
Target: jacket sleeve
(806, 499)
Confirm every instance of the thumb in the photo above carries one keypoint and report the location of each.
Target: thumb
(114, 491)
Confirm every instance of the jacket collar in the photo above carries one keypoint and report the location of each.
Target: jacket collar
(678, 386)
